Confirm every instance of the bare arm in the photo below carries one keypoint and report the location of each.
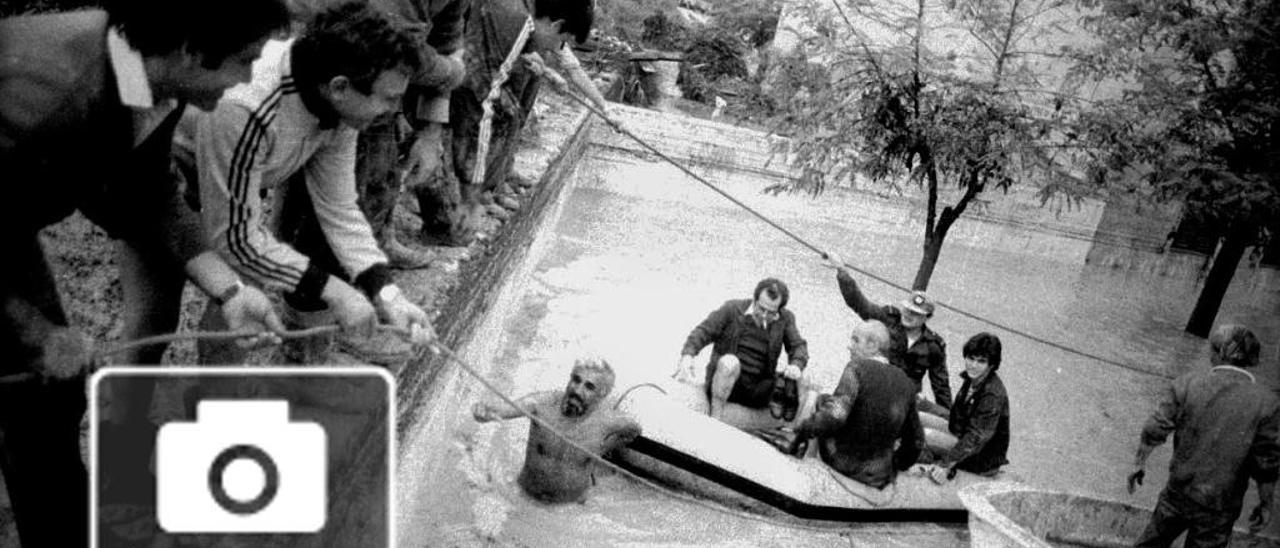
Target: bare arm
(491, 411)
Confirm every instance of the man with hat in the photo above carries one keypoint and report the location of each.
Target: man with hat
(914, 347)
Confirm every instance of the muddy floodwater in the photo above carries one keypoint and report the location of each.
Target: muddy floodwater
(638, 254)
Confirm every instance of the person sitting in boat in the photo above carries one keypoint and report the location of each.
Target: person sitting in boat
(868, 429)
(1226, 430)
(749, 336)
(980, 415)
(554, 470)
(914, 347)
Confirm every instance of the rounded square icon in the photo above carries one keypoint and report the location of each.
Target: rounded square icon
(189, 455)
(241, 467)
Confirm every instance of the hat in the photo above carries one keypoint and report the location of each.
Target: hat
(919, 303)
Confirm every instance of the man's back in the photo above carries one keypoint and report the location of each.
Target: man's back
(1226, 429)
(883, 411)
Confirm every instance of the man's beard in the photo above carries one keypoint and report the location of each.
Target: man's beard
(573, 406)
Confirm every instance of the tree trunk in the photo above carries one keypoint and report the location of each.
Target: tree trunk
(1216, 284)
(932, 248)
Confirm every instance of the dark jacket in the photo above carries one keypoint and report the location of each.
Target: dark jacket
(928, 354)
(724, 324)
(1226, 429)
(66, 141)
(980, 421)
(67, 144)
(873, 408)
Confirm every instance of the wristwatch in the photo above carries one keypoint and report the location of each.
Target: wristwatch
(388, 293)
(228, 294)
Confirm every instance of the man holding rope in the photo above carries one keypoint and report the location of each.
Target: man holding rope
(555, 471)
(419, 129)
(88, 103)
(914, 348)
(301, 114)
(497, 95)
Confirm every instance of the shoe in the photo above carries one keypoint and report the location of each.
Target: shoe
(784, 400)
(403, 256)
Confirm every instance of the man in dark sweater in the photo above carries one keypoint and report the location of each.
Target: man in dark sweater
(749, 336)
(872, 409)
(913, 347)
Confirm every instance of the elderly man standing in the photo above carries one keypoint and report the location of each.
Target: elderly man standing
(555, 471)
(913, 347)
(418, 136)
(868, 429)
(1226, 430)
(749, 336)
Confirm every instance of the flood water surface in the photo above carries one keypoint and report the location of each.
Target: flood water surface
(640, 254)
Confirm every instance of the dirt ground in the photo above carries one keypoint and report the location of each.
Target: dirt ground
(82, 258)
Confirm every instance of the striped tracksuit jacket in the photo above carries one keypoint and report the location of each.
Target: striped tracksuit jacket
(260, 134)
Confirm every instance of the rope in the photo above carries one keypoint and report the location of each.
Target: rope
(561, 86)
(169, 338)
(495, 89)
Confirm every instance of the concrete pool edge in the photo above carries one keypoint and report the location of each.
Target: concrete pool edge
(470, 321)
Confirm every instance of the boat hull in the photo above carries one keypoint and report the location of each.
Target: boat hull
(683, 447)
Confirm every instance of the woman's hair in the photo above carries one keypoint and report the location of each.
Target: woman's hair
(984, 345)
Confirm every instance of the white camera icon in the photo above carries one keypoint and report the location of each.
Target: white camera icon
(242, 467)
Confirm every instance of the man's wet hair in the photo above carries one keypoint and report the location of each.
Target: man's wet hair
(775, 288)
(578, 15)
(596, 364)
(1235, 345)
(874, 330)
(356, 41)
(984, 345)
(213, 29)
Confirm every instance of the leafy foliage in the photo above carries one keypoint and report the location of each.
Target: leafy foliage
(974, 114)
(1201, 123)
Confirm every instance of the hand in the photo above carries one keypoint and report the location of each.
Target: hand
(425, 156)
(401, 313)
(1135, 479)
(250, 309)
(481, 412)
(684, 370)
(66, 352)
(1260, 517)
(792, 372)
(354, 312)
(940, 474)
(834, 261)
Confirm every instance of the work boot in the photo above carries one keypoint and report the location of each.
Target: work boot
(312, 350)
(403, 256)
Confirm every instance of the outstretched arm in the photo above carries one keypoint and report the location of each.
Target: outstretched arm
(572, 68)
(491, 411)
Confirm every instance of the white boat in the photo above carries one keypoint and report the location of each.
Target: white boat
(684, 447)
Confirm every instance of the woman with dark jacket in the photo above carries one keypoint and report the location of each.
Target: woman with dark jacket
(980, 414)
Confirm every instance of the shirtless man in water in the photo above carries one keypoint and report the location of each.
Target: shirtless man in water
(555, 471)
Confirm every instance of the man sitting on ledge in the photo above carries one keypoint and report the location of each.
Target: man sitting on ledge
(555, 471)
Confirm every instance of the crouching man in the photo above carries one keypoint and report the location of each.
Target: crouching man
(554, 470)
